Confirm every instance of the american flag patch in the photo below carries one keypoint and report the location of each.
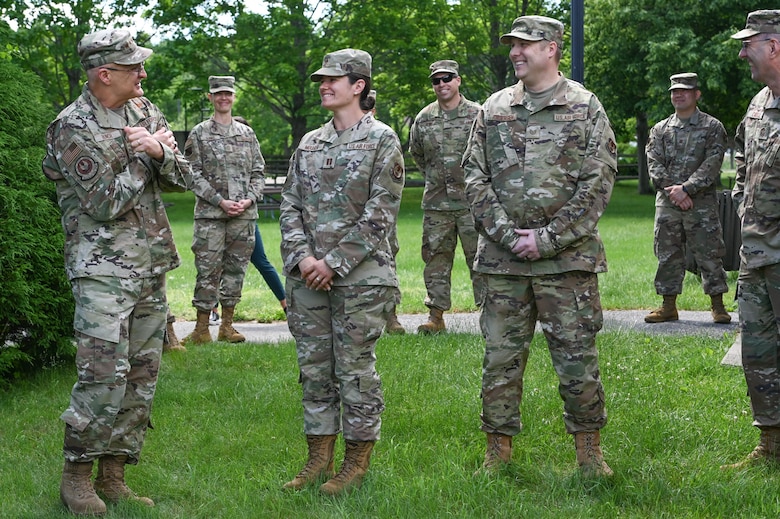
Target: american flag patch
(73, 151)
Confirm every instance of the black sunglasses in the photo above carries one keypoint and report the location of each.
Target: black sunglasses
(436, 80)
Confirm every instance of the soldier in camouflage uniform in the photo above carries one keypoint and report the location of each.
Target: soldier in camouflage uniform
(755, 195)
(227, 155)
(540, 167)
(110, 154)
(684, 156)
(339, 206)
(437, 140)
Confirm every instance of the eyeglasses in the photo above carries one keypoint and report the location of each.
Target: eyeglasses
(135, 70)
(746, 43)
(436, 80)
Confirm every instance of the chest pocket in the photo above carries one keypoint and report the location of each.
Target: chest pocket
(504, 142)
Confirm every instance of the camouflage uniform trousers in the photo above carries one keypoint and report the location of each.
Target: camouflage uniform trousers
(699, 231)
(441, 230)
(335, 334)
(568, 308)
(222, 249)
(119, 325)
(758, 295)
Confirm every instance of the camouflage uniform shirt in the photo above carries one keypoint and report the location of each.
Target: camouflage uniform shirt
(340, 202)
(551, 170)
(688, 153)
(436, 141)
(228, 157)
(112, 214)
(757, 189)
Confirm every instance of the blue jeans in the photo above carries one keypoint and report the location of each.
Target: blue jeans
(261, 263)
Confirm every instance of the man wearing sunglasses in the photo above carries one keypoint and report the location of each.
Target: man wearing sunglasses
(755, 195)
(437, 140)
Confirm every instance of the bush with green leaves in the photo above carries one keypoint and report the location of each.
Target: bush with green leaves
(36, 304)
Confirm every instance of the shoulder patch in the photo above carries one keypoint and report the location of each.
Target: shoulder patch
(398, 172)
(73, 151)
(612, 147)
(85, 168)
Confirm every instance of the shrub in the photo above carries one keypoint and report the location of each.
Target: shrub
(36, 304)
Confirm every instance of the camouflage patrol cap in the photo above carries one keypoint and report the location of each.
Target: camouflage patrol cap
(535, 28)
(763, 21)
(686, 80)
(446, 65)
(110, 46)
(222, 84)
(344, 62)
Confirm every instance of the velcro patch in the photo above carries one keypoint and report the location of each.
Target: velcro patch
(73, 151)
(85, 168)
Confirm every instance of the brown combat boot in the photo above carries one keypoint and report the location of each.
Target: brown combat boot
(768, 450)
(589, 456)
(393, 326)
(170, 341)
(667, 312)
(226, 331)
(435, 323)
(355, 466)
(498, 452)
(319, 464)
(201, 334)
(719, 313)
(77, 492)
(110, 481)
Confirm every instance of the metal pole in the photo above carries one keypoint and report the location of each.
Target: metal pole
(578, 40)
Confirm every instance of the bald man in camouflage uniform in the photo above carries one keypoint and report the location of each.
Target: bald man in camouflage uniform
(111, 153)
(227, 155)
(339, 208)
(437, 140)
(540, 168)
(684, 157)
(755, 194)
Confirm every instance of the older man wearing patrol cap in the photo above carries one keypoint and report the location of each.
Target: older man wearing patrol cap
(227, 155)
(755, 195)
(437, 140)
(540, 167)
(684, 157)
(110, 153)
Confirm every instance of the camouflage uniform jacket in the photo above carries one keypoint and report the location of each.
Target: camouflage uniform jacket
(756, 192)
(229, 159)
(112, 213)
(690, 154)
(551, 170)
(437, 142)
(340, 202)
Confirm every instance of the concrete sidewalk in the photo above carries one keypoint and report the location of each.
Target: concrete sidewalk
(690, 323)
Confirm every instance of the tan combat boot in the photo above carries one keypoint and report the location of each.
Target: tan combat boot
(226, 331)
(393, 326)
(319, 464)
(77, 492)
(498, 452)
(768, 450)
(110, 481)
(170, 341)
(719, 313)
(435, 323)
(355, 466)
(589, 456)
(667, 312)
(201, 334)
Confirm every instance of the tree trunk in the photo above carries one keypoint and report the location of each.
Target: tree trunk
(642, 133)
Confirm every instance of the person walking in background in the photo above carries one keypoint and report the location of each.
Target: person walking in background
(755, 192)
(110, 153)
(437, 140)
(227, 155)
(339, 208)
(540, 168)
(684, 157)
(392, 325)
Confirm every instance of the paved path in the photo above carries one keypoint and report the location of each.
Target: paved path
(690, 323)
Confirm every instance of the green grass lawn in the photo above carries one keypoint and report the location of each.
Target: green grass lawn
(228, 422)
(626, 228)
